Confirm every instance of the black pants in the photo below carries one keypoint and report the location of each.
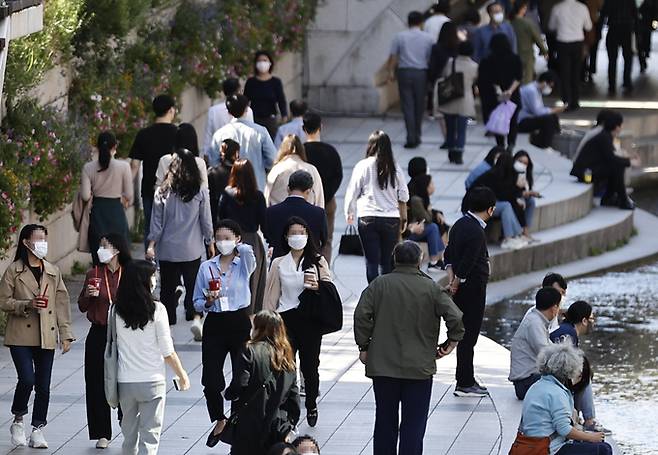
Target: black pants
(223, 334)
(619, 36)
(613, 181)
(170, 275)
(308, 342)
(570, 61)
(470, 298)
(378, 237)
(412, 84)
(34, 367)
(543, 128)
(522, 385)
(414, 395)
(270, 123)
(99, 414)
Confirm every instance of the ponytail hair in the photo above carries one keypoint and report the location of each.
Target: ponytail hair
(105, 143)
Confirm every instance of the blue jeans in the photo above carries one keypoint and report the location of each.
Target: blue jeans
(378, 238)
(147, 206)
(432, 236)
(414, 395)
(455, 131)
(530, 205)
(585, 448)
(33, 368)
(584, 401)
(511, 225)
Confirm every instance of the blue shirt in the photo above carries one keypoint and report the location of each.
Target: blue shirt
(475, 173)
(547, 412)
(532, 103)
(413, 48)
(295, 126)
(235, 281)
(566, 331)
(483, 35)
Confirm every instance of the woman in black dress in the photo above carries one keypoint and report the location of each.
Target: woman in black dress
(266, 93)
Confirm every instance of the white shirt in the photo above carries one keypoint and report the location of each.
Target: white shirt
(295, 126)
(165, 162)
(434, 24)
(478, 219)
(366, 197)
(218, 116)
(276, 186)
(142, 352)
(292, 283)
(569, 19)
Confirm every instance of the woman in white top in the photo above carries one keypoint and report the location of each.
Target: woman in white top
(144, 345)
(375, 190)
(109, 182)
(292, 157)
(289, 275)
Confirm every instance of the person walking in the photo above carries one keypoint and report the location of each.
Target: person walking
(108, 184)
(540, 121)
(438, 19)
(570, 20)
(222, 291)
(467, 263)
(295, 126)
(527, 36)
(622, 18)
(36, 305)
(374, 194)
(264, 388)
(403, 305)
(245, 204)
(186, 138)
(497, 26)
(180, 228)
(327, 161)
(291, 158)
(151, 144)
(301, 267)
(96, 297)
(218, 176)
(266, 93)
(144, 345)
(408, 62)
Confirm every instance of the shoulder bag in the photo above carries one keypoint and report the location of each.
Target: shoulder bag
(323, 307)
(450, 88)
(526, 445)
(111, 361)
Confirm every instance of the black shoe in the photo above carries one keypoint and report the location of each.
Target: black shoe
(410, 145)
(628, 88)
(628, 204)
(610, 202)
(312, 417)
(213, 439)
(444, 146)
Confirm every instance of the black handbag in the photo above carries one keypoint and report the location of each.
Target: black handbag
(450, 88)
(323, 307)
(350, 243)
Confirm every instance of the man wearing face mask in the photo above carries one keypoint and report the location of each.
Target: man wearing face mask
(497, 24)
(222, 291)
(467, 263)
(536, 118)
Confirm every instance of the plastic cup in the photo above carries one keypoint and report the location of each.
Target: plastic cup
(309, 278)
(41, 301)
(214, 284)
(95, 283)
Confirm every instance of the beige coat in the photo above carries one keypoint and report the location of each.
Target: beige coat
(273, 286)
(464, 106)
(276, 187)
(27, 326)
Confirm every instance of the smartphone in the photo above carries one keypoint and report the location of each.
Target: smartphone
(176, 382)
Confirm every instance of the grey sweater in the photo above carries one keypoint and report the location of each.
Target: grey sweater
(529, 339)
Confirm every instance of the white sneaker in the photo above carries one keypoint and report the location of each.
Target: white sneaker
(17, 431)
(197, 330)
(511, 243)
(102, 443)
(37, 440)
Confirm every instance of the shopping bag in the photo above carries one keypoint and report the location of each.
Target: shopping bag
(500, 118)
(350, 243)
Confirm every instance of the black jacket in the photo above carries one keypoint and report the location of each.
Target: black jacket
(620, 13)
(266, 414)
(467, 251)
(278, 215)
(598, 154)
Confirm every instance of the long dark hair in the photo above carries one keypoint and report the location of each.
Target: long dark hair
(418, 187)
(491, 155)
(448, 38)
(243, 179)
(21, 250)
(134, 301)
(186, 138)
(503, 170)
(184, 177)
(119, 243)
(379, 146)
(311, 251)
(528, 172)
(500, 45)
(105, 143)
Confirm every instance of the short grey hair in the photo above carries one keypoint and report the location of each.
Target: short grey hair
(407, 253)
(561, 360)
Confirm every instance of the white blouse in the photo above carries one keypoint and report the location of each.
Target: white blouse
(292, 283)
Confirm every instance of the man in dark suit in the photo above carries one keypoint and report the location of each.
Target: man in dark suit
(467, 263)
(300, 185)
(598, 155)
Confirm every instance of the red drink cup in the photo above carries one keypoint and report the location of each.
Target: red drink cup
(214, 284)
(95, 283)
(41, 301)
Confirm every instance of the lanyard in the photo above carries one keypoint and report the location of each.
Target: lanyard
(107, 283)
(227, 282)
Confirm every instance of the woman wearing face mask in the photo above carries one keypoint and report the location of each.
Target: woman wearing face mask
(243, 203)
(222, 291)
(266, 93)
(300, 268)
(109, 182)
(523, 166)
(36, 303)
(96, 297)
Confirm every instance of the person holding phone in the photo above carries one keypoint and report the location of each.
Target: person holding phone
(300, 268)
(36, 303)
(222, 291)
(523, 165)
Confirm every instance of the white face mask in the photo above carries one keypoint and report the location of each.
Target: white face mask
(519, 166)
(547, 90)
(40, 249)
(225, 246)
(499, 18)
(297, 242)
(105, 255)
(263, 66)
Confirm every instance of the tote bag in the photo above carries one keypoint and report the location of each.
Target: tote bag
(322, 307)
(451, 87)
(111, 358)
(350, 243)
(500, 118)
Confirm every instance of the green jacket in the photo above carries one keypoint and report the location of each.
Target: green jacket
(397, 320)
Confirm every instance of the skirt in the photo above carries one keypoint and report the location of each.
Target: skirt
(257, 280)
(270, 123)
(107, 217)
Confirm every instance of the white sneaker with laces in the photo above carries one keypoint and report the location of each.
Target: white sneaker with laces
(37, 440)
(512, 243)
(102, 443)
(197, 330)
(17, 431)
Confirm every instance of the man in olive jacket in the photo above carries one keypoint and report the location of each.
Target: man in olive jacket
(396, 327)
